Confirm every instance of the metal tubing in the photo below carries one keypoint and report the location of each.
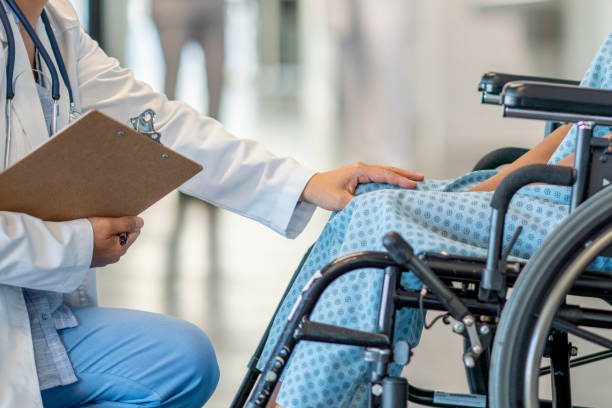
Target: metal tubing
(410, 298)
(395, 392)
(560, 378)
(556, 116)
(590, 283)
(491, 99)
(570, 313)
(55, 117)
(551, 126)
(582, 163)
(386, 311)
(560, 324)
(580, 361)
(246, 386)
(491, 278)
(585, 316)
(9, 132)
(276, 363)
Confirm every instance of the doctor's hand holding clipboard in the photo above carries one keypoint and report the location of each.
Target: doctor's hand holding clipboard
(108, 248)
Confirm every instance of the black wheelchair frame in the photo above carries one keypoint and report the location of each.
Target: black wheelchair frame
(472, 290)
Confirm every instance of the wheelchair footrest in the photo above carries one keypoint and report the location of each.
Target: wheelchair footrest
(313, 331)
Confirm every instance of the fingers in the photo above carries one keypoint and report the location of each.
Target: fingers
(125, 224)
(405, 173)
(131, 238)
(107, 242)
(380, 174)
(333, 190)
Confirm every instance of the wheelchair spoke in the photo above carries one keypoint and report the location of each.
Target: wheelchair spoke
(584, 334)
(580, 361)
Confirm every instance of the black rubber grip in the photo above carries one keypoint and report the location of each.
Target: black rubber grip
(398, 248)
(403, 254)
(534, 173)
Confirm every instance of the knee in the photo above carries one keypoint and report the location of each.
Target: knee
(190, 371)
(199, 364)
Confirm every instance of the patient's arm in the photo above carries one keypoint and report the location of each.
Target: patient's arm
(539, 154)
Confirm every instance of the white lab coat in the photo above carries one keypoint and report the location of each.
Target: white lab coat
(238, 175)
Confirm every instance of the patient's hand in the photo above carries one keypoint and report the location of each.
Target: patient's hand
(334, 189)
(107, 249)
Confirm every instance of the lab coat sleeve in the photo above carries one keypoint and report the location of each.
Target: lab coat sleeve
(36, 254)
(239, 175)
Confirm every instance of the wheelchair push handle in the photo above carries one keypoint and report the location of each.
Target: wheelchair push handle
(403, 254)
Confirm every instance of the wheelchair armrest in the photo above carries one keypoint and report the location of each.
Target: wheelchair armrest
(563, 99)
(534, 173)
(499, 157)
(494, 82)
(493, 285)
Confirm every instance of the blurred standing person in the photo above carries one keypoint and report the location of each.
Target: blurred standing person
(376, 89)
(179, 22)
(202, 21)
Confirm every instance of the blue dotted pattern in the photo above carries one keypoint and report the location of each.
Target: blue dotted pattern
(437, 216)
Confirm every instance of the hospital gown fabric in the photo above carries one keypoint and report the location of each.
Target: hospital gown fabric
(437, 216)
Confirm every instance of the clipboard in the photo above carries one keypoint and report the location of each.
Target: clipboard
(96, 167)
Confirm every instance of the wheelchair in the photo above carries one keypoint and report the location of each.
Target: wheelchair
(505, 336)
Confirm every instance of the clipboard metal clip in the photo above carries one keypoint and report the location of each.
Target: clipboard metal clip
(145, 124)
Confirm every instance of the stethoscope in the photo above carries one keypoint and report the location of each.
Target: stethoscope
(10, 69)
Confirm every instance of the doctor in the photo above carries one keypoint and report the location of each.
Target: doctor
(57, 348)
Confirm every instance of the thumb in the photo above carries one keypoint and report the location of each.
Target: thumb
(345, 199)
(126, 224)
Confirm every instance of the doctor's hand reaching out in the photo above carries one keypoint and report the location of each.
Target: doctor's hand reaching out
(107, 249)
(333, 190)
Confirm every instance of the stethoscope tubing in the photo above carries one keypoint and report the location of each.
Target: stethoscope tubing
(10, 68)
(55, 92)
(10, 92)
(58, 55)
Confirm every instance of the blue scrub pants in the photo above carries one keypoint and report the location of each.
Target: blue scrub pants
(125, 358)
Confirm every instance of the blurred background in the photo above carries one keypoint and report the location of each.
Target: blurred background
(327, 82)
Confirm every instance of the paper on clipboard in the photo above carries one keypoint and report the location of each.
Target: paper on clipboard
(95, 167)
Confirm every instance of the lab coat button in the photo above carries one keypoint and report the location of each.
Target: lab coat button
(45, 316)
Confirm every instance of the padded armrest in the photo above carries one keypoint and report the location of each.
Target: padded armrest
(558, 98)
(493, 82)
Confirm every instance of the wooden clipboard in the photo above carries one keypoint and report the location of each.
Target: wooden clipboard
(97, 166)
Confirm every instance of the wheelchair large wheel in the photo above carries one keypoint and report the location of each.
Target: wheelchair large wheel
(541, 288)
